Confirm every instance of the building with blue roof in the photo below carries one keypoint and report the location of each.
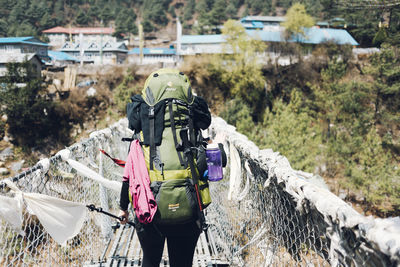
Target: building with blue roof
(312, 35)
(152, 55)
(262, 22)
(201, 44)
(24, 46)
(210, 44)
(59, 58)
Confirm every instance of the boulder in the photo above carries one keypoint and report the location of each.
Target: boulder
(16, 166)
(4, 171)
(6, 153)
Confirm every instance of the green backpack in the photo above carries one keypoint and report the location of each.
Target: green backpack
(167, 119)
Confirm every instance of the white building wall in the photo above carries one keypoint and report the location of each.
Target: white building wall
(152, 59)
(108, 58)
(193, 49)
(23, 49)
(57, 39)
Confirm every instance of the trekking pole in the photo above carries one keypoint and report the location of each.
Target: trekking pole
(188, 152)
(92, 207)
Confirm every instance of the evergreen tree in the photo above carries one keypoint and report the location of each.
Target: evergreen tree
(394, 26)
(147, 26)
(3, 28)
(94, 12)
(203, 10)
(385, 88)
(46, 22)
(293, 133)
(58, 12)
(189, 10)
(105, 14)
(366, 23)
(218, 14)
(5, 7)
(231, 11)
(36, 11)
(380, 37)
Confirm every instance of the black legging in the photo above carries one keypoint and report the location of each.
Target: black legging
(181, 242)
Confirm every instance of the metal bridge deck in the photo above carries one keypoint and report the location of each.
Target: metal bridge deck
(123, 249)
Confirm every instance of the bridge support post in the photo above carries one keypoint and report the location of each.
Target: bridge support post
(105, 220)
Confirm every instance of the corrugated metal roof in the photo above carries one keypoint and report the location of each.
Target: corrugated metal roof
(22, 40)
(318, 35)
(83, 30)
(263, 18)
(153, 51)
(61, 56)
(311, 36)
(202, 39)
(267, 36)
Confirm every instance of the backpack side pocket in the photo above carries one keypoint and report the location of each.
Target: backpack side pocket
(175, 201)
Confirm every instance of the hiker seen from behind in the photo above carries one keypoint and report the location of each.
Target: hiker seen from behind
(166, 173)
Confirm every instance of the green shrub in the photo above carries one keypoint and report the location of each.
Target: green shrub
(123, 92)
(2, 129)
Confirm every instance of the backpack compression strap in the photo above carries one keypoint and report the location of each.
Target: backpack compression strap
(173, 128)
(191, 128)
(195, 176)
(152, 143)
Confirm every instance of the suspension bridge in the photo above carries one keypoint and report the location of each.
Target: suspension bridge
(263, 213)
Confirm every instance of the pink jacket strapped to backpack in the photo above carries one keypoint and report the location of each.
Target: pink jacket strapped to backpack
(139, 184)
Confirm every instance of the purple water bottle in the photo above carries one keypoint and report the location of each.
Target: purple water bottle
(214, 163)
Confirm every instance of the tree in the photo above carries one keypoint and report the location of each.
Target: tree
(380, 37)
(394, 26)
(292, 132)
(147, 26)
(30, 117)
(385, 88)
(240, 69)
(94, 12)
(203, 10)
(217, 14)
(189, 10)
(3, 27)
(296, 20)
(125, 23)
(106, 14)
(231, 11)
(82, 17)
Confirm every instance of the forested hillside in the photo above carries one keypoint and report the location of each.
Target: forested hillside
(26, 18)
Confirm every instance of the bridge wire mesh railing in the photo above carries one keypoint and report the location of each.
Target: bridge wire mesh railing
(36, 247)
(263, 213)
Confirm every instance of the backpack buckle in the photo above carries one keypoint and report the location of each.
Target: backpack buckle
(151, 113)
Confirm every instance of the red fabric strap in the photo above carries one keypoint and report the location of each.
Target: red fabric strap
(119, 162)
